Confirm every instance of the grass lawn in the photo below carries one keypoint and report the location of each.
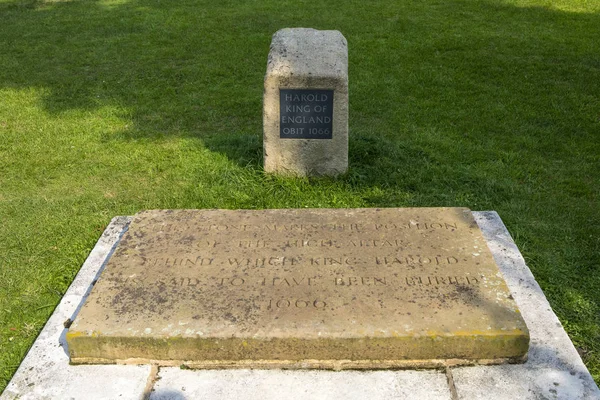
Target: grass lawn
(111, 107)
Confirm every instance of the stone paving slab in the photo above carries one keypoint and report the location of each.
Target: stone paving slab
(175, 384)
(554, 370)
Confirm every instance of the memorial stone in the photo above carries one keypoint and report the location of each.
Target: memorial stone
(309, 288)
(305, 113)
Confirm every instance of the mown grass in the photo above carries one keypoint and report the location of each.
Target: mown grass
(110, 107)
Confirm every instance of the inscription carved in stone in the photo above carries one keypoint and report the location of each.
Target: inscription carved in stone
(292, 285)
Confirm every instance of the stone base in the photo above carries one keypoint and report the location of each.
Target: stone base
(553, 368)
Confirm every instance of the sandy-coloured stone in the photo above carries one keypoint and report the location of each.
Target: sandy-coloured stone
(303, 58)
(330, 288)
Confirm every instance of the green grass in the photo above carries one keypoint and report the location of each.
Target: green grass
(110, 107)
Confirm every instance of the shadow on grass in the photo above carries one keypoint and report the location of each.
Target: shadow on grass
(425, 80)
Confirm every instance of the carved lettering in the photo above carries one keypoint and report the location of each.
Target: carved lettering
(379, 281)
(262, 262)
(440, 280)
(189, 282)
(286, 281)
(253, 244)
(193, 282)
(417, 226)
(178, 262)
(232, 281)
(415, 259)
(211, 244)
(333, 261)
(283, 228)
(376, 243)
(295, 303)
(360, 281)
(310, 243)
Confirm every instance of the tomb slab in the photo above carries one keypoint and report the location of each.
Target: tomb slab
(301, 288)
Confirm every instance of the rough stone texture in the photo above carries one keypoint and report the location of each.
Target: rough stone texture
(553, 369)
(327, 288)
(299, 385)
(46, 374)
(302, 58)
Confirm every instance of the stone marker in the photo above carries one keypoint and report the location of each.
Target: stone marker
(305, 113)
(309, 288)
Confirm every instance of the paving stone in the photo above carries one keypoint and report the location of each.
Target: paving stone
(177, 384)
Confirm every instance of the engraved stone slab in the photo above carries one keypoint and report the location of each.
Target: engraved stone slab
(305, 104)
(326, 288)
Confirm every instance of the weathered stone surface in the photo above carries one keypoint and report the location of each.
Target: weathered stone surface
(304, 62)
(341, 287)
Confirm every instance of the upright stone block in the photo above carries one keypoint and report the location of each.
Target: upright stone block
(305, 113)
